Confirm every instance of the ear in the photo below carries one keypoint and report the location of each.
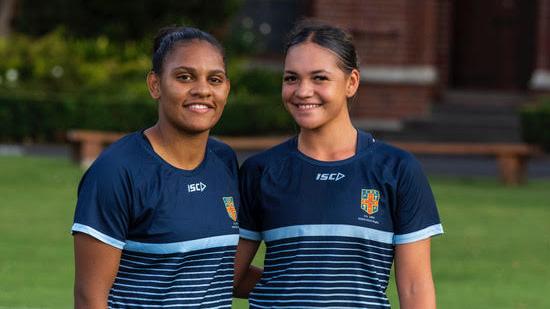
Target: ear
(228, 81)
(153, 84)
(353, 83)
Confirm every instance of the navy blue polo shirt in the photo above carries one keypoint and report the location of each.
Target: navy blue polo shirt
(176, 228)
(331, 228)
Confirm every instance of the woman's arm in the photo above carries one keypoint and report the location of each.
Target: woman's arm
(246, 275)
(96, 265)
(413, 272)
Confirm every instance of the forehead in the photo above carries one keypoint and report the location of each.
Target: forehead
(310, 56)
(195, 54)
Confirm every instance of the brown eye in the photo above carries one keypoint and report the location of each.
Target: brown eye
(184, 77)
(289, 79)
(217, 79)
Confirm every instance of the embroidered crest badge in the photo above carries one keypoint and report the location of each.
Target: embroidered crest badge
(230, 207)
(369, 200)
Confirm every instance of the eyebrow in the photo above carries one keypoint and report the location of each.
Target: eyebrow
(312, 72)
(193, 70)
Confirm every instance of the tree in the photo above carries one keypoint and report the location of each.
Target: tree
(123, 19)
(7, 11)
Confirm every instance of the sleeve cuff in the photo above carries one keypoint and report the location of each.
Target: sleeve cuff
(250, 235)
(418, 235)
(77, 227)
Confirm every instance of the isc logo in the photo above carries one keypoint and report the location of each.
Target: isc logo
(196, 187)
(329, 176)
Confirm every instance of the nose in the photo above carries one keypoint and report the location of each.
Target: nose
(201, 89)
(304, 90)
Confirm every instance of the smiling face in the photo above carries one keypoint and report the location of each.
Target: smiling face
(192, 88)
(315, 89)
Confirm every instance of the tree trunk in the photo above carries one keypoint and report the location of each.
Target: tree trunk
(7, 10)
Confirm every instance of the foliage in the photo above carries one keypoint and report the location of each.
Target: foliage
(123, 19)
(54, 83)
(535, 123)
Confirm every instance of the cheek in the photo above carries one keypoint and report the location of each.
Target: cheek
(221, 95)
(286, 92)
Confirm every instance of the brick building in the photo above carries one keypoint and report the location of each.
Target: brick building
(415, 51)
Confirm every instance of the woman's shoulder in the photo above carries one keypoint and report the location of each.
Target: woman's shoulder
(270, 156)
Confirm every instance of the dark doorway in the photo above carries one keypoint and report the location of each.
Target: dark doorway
(493, 44)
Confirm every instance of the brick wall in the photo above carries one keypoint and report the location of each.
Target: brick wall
(395, 40)
(540, 79)
(444, 37)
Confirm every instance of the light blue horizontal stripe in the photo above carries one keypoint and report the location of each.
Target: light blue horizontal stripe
(326, 255)
(320, 302)
(170, 281)
(162, 300)
(321, 281)
(81, 228)
(181, 269)
(301, 242)
(325, 262)
(217, 262)
(341, 230)
(163, 276)
(187, 257)
(418, 235)
(251, 235)
(287, 295)
(228, 286)
(320, 269)
(275, 278)
(206, 274)
(183, 246)
(305, 249)
(310, 288)
(134, 305)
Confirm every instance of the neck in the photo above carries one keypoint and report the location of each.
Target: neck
(329, 143)
(180, 149)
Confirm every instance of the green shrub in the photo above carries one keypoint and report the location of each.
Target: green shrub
(54, 83)
(535, 123)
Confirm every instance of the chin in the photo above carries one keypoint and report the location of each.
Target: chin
(308, 125)
(194, 129)
(307, 122)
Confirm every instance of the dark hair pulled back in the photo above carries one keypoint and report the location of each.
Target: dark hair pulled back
(168, 37)
(330, 37)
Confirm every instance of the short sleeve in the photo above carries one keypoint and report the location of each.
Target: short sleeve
(248, 215)
(103, 206)
(416, 216)
(226, 154)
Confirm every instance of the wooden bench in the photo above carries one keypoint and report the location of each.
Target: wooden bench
(87, 145)
(511, 157)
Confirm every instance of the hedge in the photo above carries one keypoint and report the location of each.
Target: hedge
(535, 123)
(47, 120)
(54, 83)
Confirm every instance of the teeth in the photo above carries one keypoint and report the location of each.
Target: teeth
(198, 106)
(307, 106)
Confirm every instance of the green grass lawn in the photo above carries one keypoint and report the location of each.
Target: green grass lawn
(495, 252)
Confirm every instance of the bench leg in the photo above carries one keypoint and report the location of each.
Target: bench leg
(89, 151)
(512, 169)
